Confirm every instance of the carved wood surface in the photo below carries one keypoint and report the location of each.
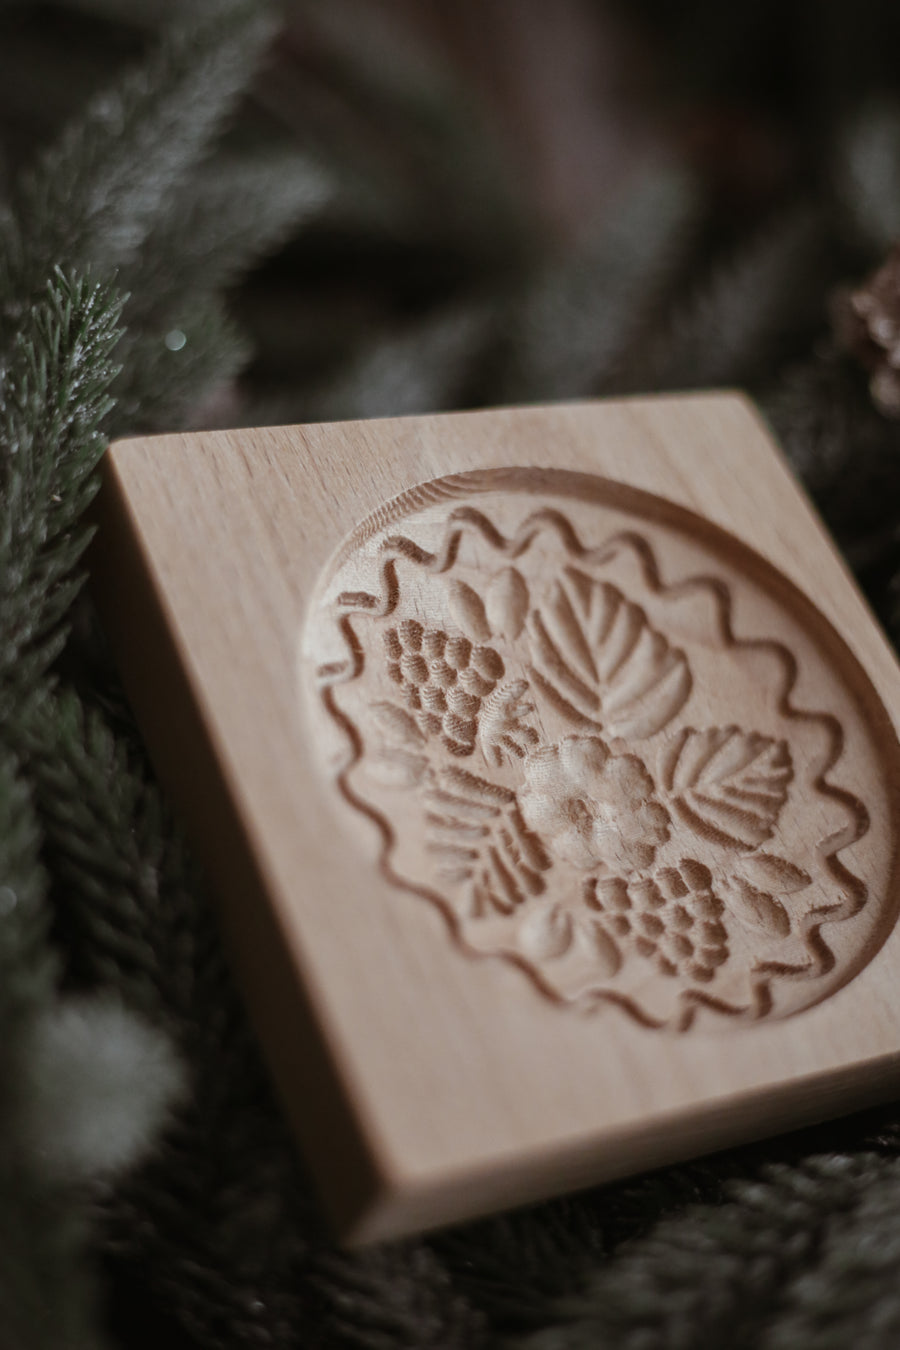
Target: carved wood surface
(544, 763)
(577, 753)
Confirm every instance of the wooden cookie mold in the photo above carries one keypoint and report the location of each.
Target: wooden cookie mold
(545, 764)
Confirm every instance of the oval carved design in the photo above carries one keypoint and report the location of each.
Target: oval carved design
(615, 747)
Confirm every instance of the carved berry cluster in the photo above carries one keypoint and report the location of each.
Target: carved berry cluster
(443, 680)
(673, 918)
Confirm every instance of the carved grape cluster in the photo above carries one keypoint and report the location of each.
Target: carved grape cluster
(443, 679)
(672, 918)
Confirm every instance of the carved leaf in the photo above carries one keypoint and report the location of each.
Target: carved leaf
(396, 725)
(546, 933)
(756, 909)
(774, 874)
(397, 768)
(507, 604)
(598, 654)
(729, 785)
(468, 611)
(476, 832)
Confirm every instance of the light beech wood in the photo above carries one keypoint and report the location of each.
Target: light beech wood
(545, 763)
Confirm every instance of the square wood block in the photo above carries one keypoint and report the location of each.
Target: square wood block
(545, 764)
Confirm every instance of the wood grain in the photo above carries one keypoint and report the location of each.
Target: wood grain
(545, 762)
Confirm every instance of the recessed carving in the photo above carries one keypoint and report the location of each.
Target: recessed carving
(625, 758)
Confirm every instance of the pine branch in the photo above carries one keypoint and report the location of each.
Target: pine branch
(847, 455)
(219, 1222)
(42, 1235)
(521, 1268)
(815, 409)
(516, 1266)
(82, 1090)
(743, 1273)
(399, 1298)
(48, 1291)
(53, 399)
(570, 330)
(229, 213)
(744, 314)
(183, 345)
(27, 970)
(129, 898)
(96, 195)
(424, 369)
(866, 175)
(169, 370)
(409, 128)
(850, 1296)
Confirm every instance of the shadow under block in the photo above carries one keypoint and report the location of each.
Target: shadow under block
(545, 764)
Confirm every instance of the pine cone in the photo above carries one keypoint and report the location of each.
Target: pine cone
(867, 325)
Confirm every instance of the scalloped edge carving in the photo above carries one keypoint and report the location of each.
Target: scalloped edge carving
(561, 483)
